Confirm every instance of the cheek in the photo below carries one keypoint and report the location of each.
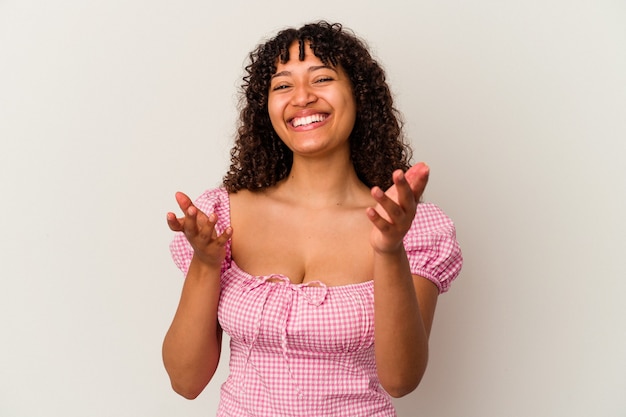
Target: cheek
(350, 106)
(346, 97)
(276, 115)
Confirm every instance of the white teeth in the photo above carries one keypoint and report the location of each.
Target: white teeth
(301, 121)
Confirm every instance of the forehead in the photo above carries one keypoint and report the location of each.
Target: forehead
(297, 51)
(297, 54)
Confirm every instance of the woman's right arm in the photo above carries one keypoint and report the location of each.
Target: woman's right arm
(192, 345)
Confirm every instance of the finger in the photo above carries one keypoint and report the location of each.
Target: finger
(224, 237)
(184, 202)
(199, 224)
(174, 223)
(178, 224)
(190, 224)
(390, 207)
(406, 198)
(417, 177)
(206, 225)
(379, 222)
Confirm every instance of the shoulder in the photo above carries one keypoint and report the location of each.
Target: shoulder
(214, 200)
(429, 218)
(432, 247)
(247, 205)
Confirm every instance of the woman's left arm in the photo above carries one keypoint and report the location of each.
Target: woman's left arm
(404, 304)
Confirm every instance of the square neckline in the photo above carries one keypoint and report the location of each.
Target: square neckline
(233, 264)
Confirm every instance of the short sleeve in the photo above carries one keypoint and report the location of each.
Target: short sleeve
(211, 201)
(432, 248)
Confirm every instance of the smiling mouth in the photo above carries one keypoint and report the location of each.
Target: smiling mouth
(304, 121)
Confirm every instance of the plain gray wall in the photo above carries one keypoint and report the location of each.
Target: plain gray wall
(108, 107)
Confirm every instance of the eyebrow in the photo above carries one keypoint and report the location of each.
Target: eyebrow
(310, 69)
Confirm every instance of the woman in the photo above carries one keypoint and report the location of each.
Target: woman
(326, 285)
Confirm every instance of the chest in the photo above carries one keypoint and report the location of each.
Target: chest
(275, 315)
(331, 246)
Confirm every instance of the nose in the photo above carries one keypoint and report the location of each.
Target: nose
(303, 95)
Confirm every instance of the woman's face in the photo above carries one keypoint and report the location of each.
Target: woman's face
(311, 105)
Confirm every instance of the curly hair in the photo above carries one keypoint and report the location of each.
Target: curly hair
(259, 158)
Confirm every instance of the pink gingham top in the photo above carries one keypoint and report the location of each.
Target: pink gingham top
(307, 350)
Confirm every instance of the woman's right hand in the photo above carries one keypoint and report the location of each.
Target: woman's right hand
(199, 229)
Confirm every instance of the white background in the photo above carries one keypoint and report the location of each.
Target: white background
(108, 107)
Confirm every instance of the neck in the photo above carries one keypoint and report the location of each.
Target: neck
(323, 183)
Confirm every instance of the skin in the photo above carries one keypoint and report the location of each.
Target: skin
(331, 228)
(309, 88)
(192, 345)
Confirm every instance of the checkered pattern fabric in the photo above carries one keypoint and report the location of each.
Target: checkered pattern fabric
(308, 349)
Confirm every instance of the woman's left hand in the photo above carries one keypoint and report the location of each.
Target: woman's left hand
(393, 215)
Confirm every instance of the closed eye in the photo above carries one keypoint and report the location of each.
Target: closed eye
(280, 87)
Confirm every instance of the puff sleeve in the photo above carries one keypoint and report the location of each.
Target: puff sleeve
(211, 201)
(432, 248)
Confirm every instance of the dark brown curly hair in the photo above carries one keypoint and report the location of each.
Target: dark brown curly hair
(260, 159)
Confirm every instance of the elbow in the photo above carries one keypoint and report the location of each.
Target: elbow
(403, 383)
(188, 379)
(189, 386)
(399, 390)
(189, 392)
